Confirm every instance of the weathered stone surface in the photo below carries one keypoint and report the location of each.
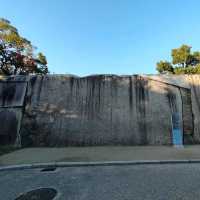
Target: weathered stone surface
(10, 122)
(99, 110)
(194, 81)
(12, 93)
(61, 110)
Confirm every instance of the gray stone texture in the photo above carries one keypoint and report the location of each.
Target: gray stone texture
(12, 94)
(62, 110)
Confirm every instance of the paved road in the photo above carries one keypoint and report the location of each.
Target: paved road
(131, 182)
(105, 153)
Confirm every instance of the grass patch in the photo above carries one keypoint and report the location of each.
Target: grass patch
(7, 149)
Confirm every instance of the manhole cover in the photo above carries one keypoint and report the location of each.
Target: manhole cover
(39, 194)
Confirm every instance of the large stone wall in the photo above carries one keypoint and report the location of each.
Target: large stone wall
(61, 110)
(12, 94)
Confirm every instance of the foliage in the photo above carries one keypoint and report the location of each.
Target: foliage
(187, 70)
(164, 67)
(17, 53)
(180, 55)
(183, 62)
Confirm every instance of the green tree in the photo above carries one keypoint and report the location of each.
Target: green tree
(164, 67)
(194, 58)
(183, 62)
(17, 53)
(180, 55)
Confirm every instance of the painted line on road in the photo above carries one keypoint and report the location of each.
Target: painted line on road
(88, 164)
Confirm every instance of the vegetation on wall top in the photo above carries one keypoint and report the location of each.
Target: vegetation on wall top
(184, 61)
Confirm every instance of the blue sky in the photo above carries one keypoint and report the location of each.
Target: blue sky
(105, 36)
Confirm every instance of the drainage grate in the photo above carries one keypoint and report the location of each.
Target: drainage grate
(39, 194)
(48, 169)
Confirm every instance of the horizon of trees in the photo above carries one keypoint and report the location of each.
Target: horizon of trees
(17, 54)
(184, 61)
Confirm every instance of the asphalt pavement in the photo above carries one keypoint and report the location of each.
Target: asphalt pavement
(131, 182)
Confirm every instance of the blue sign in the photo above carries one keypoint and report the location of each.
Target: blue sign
(177, 135)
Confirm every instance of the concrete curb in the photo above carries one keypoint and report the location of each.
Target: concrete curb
(87, 164)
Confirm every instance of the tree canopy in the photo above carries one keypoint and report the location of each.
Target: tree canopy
(184, 61)
(17, 53)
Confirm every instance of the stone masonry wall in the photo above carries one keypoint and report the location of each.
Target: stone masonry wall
(61, 110)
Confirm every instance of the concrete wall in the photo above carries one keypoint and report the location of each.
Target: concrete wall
(61, 110)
